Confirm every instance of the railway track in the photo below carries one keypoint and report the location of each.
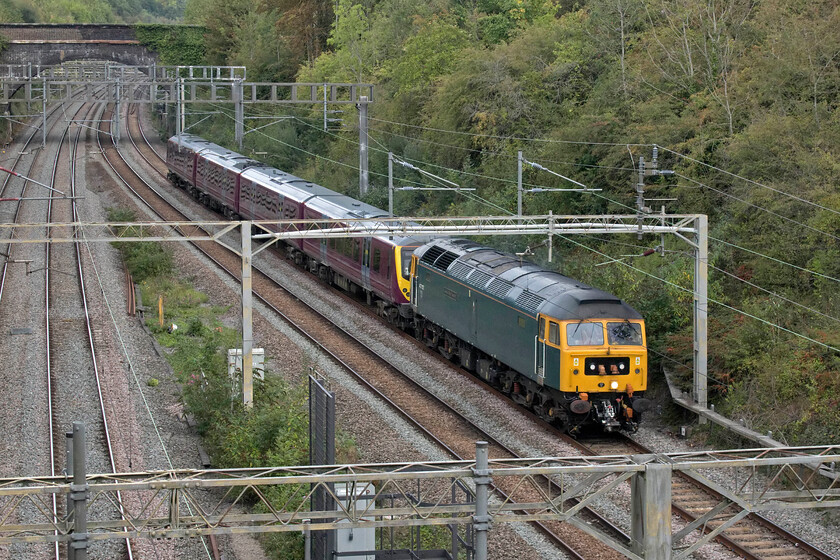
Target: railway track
(754, 537)
(69, 328)
(112, 156)
(18, 198)
(441, 423)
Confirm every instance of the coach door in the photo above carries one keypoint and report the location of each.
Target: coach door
(324, 256)
(366, 263)
(539, 348)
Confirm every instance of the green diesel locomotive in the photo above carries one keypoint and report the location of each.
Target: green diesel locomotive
(574, 354)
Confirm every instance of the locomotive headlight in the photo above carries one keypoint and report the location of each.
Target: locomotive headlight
(621, 366)
(614, 385)
(592, 367)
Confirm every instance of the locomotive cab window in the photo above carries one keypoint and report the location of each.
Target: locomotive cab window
(585, 333)
(405, 261)
(624, 334)
(554, 333)
(549, 331)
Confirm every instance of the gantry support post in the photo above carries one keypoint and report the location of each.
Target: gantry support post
(247, 319)
(115, 132)
(481, 521)
(650, 515)
(363, 145)
(68, 472)
(79, 495)
(44, 117)
(239, 119)
(180, 118)
(519, 184)
(391, 184)
(701, 310)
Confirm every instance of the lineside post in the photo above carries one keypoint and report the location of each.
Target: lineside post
(519, 184)
(247, 319)
(239, 118)
(44, 117)
(79, 495)
(481, 520)
(363, 144)
(701, 312)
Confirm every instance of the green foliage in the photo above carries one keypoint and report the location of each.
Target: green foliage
(174, 44)
(738, 87)
(144, 259)
(94, 11)
(426, 56)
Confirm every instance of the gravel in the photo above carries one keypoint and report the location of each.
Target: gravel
(149, 424)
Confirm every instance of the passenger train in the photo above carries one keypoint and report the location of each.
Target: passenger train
(573, 354)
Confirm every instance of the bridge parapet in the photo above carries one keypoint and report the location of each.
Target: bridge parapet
(43, 32)
(43, 45)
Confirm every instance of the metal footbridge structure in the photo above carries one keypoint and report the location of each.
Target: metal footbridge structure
(154, 504)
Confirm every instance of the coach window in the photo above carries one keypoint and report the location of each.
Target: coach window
(377, 257)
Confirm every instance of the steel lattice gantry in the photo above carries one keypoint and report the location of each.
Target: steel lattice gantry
(691, 228)
(420, 494)
(181, 85)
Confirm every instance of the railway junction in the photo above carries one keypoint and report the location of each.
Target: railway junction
(165, 503)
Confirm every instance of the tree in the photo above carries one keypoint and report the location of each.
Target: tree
(695, 45)
(613, 22)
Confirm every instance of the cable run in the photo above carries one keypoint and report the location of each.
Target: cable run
(768, 257)
(757, 207)
(774, 294)
(540, 140)
(677, 286)
(756, 183)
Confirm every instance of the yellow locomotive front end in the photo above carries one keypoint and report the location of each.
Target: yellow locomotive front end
(603, 355)
(603, 368)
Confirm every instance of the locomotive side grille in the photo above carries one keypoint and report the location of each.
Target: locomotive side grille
(529, 301)
(460, 271)
(445, 260)
(479, 279)
(438, 257)
(499, 288)
(430, 256)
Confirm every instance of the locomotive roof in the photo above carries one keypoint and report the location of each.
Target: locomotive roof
(522, 283)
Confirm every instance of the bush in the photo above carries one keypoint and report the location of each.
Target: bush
(144, 259)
